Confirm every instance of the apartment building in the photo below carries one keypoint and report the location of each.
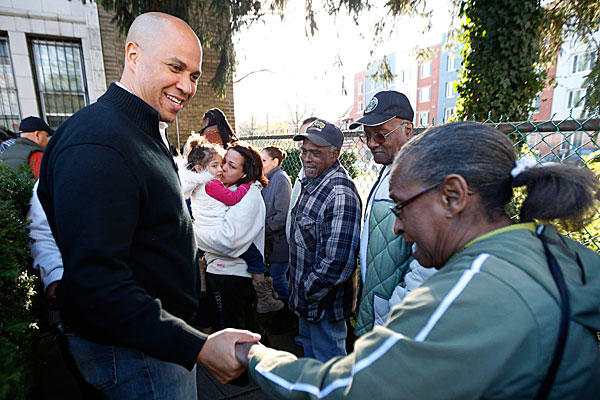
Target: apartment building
(428, 88)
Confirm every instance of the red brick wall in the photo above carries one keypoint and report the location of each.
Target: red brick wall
(190, 118)
(359, 78)
(545, 110)
(431, 81)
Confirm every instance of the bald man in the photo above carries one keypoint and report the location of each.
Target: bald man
(112, 195)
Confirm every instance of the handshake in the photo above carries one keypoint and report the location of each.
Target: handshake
(226, 353)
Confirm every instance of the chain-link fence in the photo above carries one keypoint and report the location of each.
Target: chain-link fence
(569, 141)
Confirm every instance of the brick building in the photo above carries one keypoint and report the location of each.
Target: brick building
(57, 56)
(428, 88)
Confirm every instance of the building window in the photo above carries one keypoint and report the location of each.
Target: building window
(451, 63)
(360, 106)
(450, 92)
(576, 98)
(534, 139)
(360, 88)
(425, 94)
(424, 118)
(59, 77)
(9, 104)
(448, 113)
(426, 69)
(582, 62)
(535, 104)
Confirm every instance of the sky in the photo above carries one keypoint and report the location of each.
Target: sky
(307, 72)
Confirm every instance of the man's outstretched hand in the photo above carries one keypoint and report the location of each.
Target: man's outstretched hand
(218, 353)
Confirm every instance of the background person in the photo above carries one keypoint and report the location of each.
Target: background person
(28, 148)
(216, 129)
(297, 185)
(385, 258)
(7, 138)
(277, 201)
(486, 325)
(210, 202)
(324, 236)
(227, 274)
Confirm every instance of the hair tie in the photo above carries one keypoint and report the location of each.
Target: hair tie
(523, 164)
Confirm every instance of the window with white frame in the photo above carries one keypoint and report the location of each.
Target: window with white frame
(424, 118)
(577, 139)
(573, 142)
(450, 91)
(425, 94)
(360, 106)
(575, 98)
(10, 114)
(451, 63)
(535, 104)
(582, 62)
(360, 88)
(534, 139)
(448, 113)
(59, 77)
(426, 69)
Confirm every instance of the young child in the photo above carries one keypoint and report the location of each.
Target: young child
(210, 201)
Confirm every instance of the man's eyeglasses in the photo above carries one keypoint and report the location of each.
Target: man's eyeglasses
(380, 137)
(399, 207)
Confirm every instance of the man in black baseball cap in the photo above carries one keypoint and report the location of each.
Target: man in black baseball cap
(324, 232)
(324, 138)
(384, 257)
(34, 135)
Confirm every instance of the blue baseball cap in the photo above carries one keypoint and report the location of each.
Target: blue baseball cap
(383, 107)
(323, 133)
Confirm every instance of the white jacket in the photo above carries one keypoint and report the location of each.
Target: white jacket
(244, 224)
(46, 256)
(206, 210)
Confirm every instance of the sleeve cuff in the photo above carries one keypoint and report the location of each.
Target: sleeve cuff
(55, 274)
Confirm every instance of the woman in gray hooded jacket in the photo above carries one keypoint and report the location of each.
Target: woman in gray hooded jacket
(277, 200)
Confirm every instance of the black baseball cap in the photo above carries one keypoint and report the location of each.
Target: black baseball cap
(384, 106)
(323, 133)
(32, 124)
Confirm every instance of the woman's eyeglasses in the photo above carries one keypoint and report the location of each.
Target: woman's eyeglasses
(398, 207)
(380, 137)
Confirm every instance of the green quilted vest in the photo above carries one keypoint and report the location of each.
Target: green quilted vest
(388, 257)
(19, 153)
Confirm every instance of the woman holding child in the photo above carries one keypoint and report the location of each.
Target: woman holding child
(229, 226)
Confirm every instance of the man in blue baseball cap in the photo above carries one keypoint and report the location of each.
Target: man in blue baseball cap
(324, 237)
(385, 258)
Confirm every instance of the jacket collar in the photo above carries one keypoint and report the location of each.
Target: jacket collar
(272, 172)
(28, 142)
(312, 186)
(133, 108)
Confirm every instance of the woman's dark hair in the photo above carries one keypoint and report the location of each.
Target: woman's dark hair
(216, 118)
(201, 153)
(275, 153)
(252, 165)
(485, 157)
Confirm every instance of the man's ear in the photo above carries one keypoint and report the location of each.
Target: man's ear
(132, 55)
(455, 194)
(409, 130)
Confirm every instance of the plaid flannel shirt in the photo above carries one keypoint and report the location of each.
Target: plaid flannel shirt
(324, 238)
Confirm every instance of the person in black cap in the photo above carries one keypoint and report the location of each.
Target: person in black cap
(29, 147)
(385, 258)
(324, 236)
